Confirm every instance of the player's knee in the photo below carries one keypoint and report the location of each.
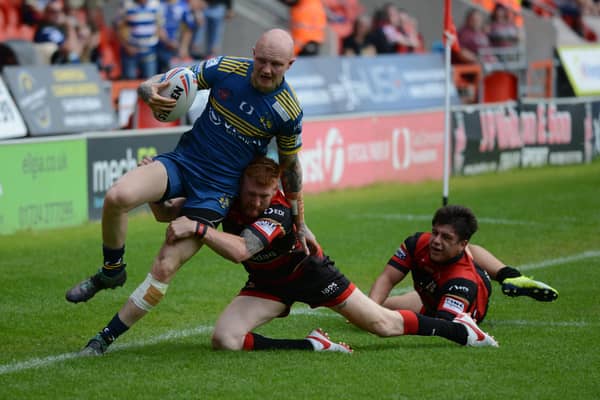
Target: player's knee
(118, 197)
(165, 267)
(225, 341)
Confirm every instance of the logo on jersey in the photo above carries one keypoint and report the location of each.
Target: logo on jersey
(212, 62)
(246, 108)
(459, 288)
(330, 289)
(223, 93)
(400, 254)
(276, 211)
(225, 202)
(267, 227)
(266, 124)
(453, 305)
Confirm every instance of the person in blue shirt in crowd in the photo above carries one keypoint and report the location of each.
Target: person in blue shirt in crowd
(179, 25)
(140, 25)
(210, 38)
(58, 30)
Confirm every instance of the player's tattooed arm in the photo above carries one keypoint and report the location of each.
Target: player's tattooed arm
(291, 177)
(291, 180)
(232, 247)
(253, 242)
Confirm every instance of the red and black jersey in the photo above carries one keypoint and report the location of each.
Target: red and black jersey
(445, 289)
(282, 252)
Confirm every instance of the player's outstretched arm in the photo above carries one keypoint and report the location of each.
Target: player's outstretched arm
(486, 260)
(291, 179)
(384, 284)
(232, 247)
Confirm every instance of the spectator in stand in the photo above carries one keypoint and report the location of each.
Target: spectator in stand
(140, 25)
(88, 38)
(472, 36)
(215, 14)
(178, 28)
(409, 28)
(387, 34)
(56, 28)
(341, 17)
(193, 44)
(358, 43)
(308, 22)
(503, 31)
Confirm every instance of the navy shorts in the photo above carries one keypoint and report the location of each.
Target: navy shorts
(183, 183)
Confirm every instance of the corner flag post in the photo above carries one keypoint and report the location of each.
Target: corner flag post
(449, 37)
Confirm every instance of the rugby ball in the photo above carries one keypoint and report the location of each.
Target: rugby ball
(183, 87)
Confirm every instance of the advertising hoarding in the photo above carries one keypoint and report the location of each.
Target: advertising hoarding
(353, 152)
(60, 99)
(505, 136)
(11, 122)
(42, 185)
(386, 83)
(582, 66)
(110, 157)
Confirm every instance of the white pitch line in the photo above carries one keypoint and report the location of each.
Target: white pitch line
(521, 322)
(415, 217)
(203, 329)
(561, 260)
(45, 361)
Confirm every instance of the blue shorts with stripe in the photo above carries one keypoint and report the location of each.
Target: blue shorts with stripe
(184, 181)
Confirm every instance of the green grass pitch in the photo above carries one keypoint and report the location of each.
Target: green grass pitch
(546, 221)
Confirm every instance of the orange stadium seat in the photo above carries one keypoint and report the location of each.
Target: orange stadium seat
(500, 86)
(143, 118)
(109, 50)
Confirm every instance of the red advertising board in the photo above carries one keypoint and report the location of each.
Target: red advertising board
(354, 152)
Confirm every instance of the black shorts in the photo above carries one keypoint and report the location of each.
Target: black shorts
(319, 284)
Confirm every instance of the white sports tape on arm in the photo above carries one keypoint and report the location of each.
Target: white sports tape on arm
(149, 293)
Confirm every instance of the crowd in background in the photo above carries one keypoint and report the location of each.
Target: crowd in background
(145, 37)
(148, 36)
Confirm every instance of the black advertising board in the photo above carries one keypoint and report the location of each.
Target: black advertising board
(499, 137)
(60, 99)
(108, 158)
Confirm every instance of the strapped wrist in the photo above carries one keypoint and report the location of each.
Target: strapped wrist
(201, 229)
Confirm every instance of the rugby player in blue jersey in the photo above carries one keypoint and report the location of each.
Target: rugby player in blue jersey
(249, 103)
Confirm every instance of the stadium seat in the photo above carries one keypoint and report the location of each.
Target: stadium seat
(143, 118)
(110, 66)
(500, 86)
(467, 78)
